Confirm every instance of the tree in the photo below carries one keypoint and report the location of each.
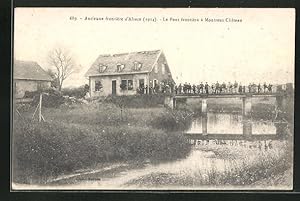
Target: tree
(54, 82)
(62, 63)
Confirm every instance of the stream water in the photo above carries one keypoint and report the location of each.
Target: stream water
(226, 123)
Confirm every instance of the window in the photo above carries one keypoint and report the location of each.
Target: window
(156, 68)
(163, 68)
(120, 67)
(130, 84)
(126, 85)
(101, 67)
(137, 66)
(98, 85)
(123, 84)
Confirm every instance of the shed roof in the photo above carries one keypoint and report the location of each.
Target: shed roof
(146, 58)
(30, 70)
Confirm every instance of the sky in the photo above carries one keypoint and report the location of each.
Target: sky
(258, 48)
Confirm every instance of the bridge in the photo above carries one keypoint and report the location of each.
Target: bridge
(246, 98)
(230, 95)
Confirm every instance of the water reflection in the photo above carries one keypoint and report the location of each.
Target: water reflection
(221, 123)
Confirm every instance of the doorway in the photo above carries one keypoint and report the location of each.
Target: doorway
(113, 87)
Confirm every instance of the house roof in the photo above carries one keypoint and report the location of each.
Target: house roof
(146, 58)
(30, 70)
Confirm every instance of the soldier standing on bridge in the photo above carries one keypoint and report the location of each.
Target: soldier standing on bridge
(217, 87)
(180, 89)
(259, 88)
(212, 88)
(185, 88)
(265, 87)
(206, 88)
(270, 88)
(230, 87)
(176, 89)
(235, 86)
(189, 88)
(194, 88)
(198, 88)
(201, 87)
(249, 87)
(240, 88)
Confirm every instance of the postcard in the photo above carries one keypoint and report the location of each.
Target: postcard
(153, 99)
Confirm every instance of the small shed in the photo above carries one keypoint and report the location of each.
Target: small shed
(29, 76)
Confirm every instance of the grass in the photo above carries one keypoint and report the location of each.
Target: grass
(227, 166)
(82, 136)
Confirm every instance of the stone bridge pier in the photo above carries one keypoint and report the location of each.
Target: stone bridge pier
(170, 102)
(204, 115)
(246, 111)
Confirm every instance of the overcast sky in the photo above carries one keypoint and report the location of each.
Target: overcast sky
(258, 49)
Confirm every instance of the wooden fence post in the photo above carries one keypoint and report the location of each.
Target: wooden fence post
(40, 107)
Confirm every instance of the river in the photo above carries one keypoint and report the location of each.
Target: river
(227, 123)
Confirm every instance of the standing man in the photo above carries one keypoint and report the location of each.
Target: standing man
(235, 86)
(201, 87)
(223, 87)
(217, 87)
(194, 88)
(206, 88)
(249, 88)
(179, 88)
(265, 87)
(259, 88)
(176, 89)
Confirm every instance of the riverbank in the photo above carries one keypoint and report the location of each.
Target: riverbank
(206, 167)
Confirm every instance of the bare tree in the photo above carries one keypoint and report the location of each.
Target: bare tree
(63, 64)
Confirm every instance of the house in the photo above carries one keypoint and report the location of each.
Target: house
(128, 73)
(29, 76)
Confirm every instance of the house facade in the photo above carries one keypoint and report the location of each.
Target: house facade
(128, 73)
(29, 76)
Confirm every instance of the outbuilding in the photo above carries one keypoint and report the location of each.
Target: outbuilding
(29, 76)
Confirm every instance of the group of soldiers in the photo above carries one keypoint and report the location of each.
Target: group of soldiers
(158, 88)
(218, 88)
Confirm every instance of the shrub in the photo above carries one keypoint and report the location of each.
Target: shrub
(173, 120)
(78, 92)
(137, 101)
(51, 98)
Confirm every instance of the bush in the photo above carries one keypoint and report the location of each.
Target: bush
(43, 150)
(173, 120)
(51, 98)
(78, 92)
(137, 101)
